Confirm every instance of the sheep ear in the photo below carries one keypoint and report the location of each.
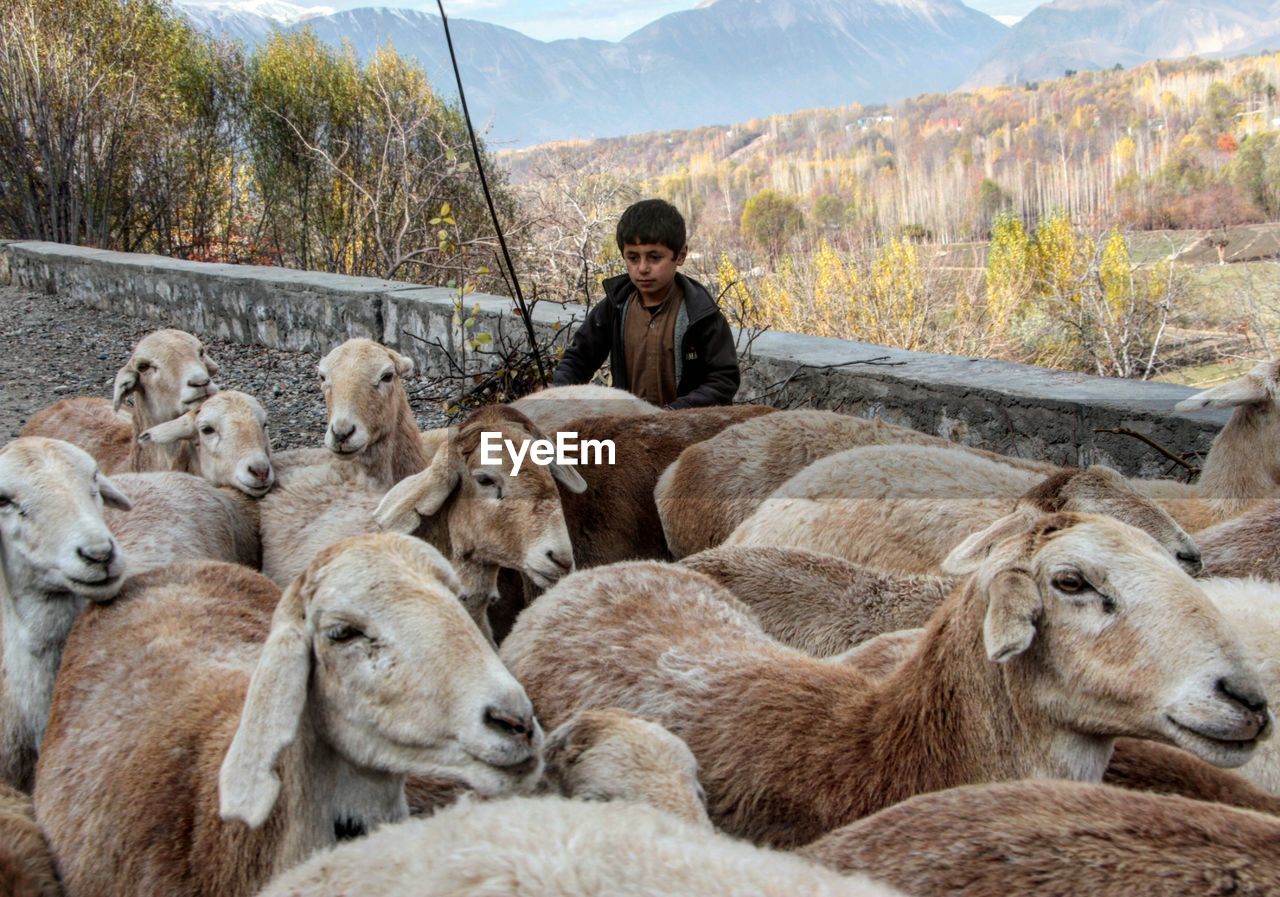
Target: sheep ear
(210, 365)
(247, 784)
(1013, 604)
(169, 432)
(562, 749)
(404, 364)
(1250, 388)
(126, 383)
(112, 497)
(970, 554)
(420, 495)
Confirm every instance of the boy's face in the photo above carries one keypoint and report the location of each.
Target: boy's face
(652, 267)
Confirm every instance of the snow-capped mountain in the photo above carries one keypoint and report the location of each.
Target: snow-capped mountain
(247, 21)
(726, 60)
(1093, 34)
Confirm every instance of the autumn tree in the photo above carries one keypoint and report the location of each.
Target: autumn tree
(771, 218)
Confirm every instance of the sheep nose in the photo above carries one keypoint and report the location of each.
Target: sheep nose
(342, 432)
(1191, 561)
(97, 554)
(560, 560)
(199, 381)
(260, 470)
(510, 724)
(1246, 694)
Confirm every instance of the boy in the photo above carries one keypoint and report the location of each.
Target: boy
(666, 339)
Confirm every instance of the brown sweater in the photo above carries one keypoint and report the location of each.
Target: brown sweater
(649, 341)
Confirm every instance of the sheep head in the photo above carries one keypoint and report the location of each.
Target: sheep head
(1098, 627)
(168, 374)
(228, 437)
(494, 518)
(1101, 490)
(53, 538)
(372, 646)
(610, 754)
(363, 394)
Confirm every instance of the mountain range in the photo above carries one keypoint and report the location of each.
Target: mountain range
(731, 60)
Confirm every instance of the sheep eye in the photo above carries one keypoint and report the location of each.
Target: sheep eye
(386, 378)
(1071, 583)
(340, 635)
(207, 430)
(6, 501)
(143, 366)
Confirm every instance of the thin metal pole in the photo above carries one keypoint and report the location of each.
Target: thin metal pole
(488, 197)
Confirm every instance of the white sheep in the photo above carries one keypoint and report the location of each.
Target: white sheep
(224, 441)
(1062, 637)
(552, 847)
(56, 556)
(904, 507)
(261, 752)
(552, 408)
(716, 484)
(167, 374)
(1059, 839)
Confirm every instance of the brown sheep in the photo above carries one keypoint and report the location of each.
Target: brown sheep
(720, 482)
(1248, 545)
(201, 741)
(1059, 839)
(167, 374)
(26, 865)
(616, 518)
(552, 408)
(903, 508)
(1072, 633)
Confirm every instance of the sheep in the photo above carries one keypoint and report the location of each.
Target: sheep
(224, 441)
(26, 866)
(903, 508)
(167, 374)
(1060, 638)
(551, 409)
(817, 603)
(1248, 545)
(1059, 839)
(265, 752)
(56, 556)
(606, 754)
(522, 846)
(609, 754)
(480, 515)
(370, 423)
(181, 517)
(718, 483)
(1243, 465)
(1250, 607)
(616, 518)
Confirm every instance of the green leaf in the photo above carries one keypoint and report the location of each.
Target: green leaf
(484, 339)
(469, 323)
(445, 209)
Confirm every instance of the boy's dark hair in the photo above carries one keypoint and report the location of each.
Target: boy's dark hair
(652, 221)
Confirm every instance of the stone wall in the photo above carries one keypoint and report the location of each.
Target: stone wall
(1011, 408)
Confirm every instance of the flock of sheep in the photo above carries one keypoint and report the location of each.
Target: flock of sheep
(802, 653)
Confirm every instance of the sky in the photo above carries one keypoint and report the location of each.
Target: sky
(601, 19)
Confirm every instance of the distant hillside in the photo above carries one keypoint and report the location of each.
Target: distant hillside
(724, 61)
(1161, 145)
(1099, 34)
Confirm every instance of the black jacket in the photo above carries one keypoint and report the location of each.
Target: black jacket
(706, 360)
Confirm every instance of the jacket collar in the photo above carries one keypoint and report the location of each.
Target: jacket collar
(697, 301)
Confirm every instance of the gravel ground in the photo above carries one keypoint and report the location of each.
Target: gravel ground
(52, 349)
